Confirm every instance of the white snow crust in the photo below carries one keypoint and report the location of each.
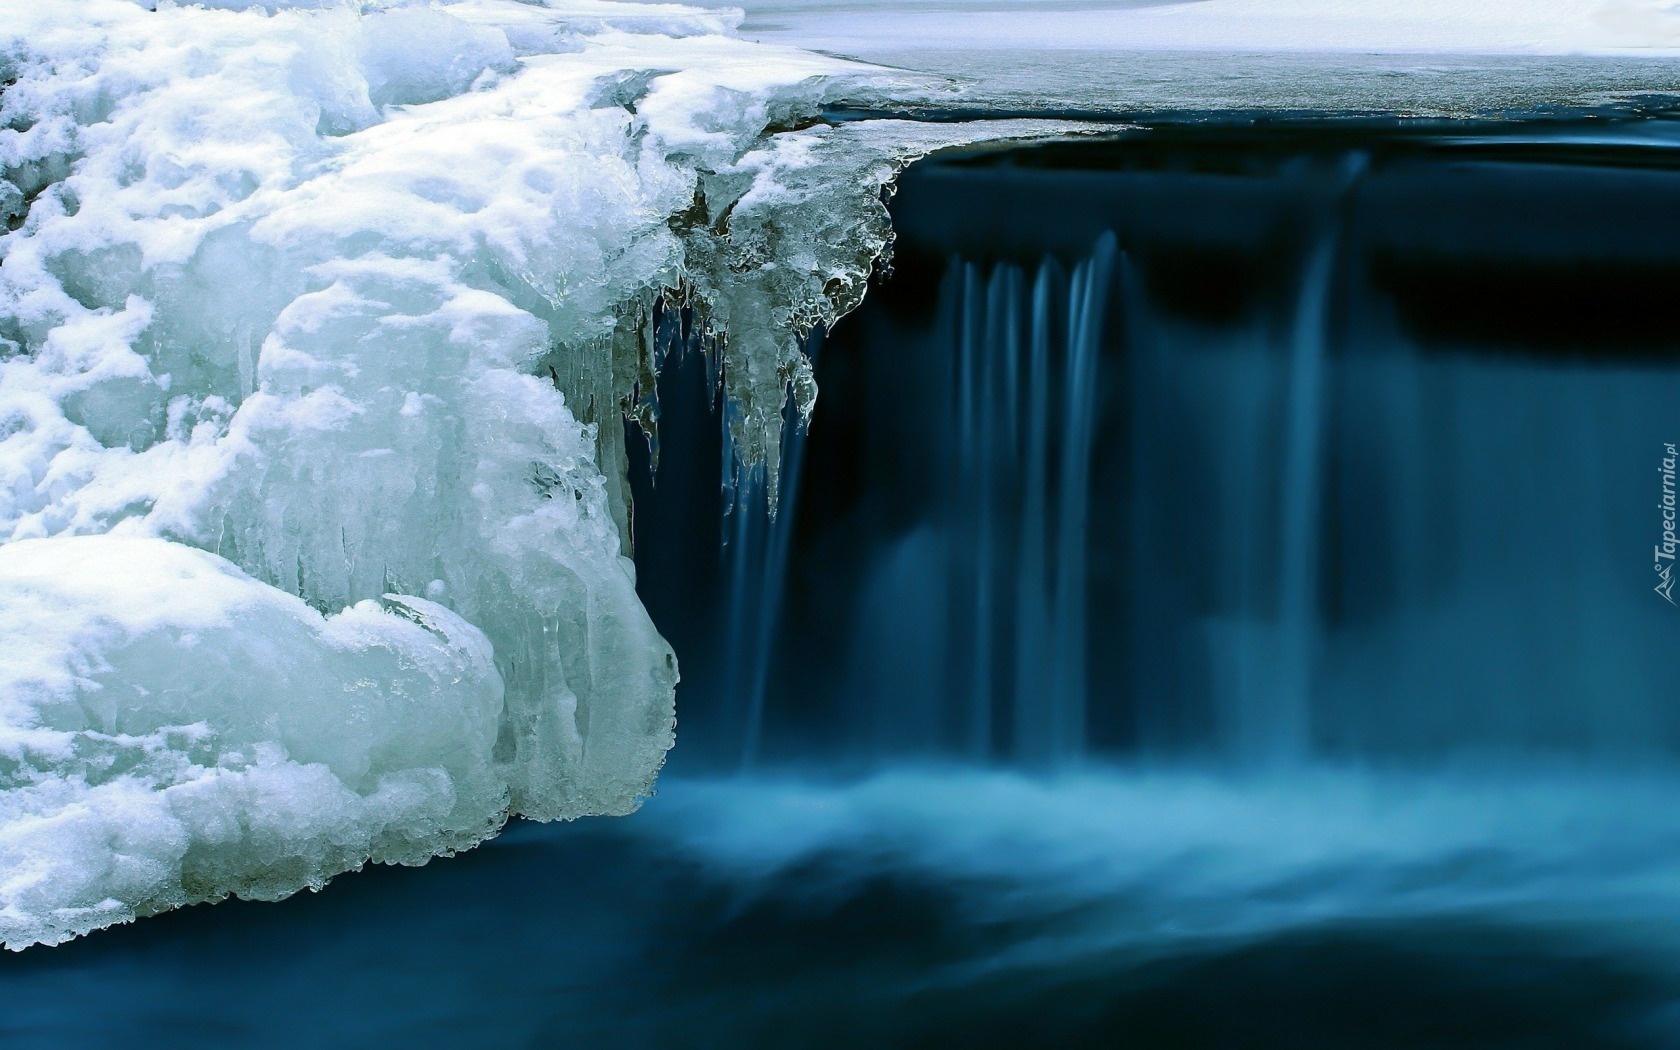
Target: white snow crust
(316, 321)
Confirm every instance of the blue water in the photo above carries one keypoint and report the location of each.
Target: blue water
(1333, 907)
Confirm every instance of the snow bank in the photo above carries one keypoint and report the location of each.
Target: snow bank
(352, 296)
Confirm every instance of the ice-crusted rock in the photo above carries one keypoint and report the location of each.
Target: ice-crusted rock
(352, 295)
(172, 730)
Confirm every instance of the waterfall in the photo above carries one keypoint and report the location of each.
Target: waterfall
(757, 552)
(746, 571)
(1090, 290)
(1032, 628)
(1021, 510)
(978, 412)
(1282, 732)
(969, 632)
(1059, 505)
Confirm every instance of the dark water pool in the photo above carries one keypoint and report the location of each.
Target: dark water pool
(1333, 908)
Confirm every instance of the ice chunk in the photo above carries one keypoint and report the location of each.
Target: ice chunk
(172, 731)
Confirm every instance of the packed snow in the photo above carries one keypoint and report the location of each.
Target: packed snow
(316, 323)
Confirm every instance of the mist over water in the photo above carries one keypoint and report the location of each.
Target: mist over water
(1147, 860)
(1527, 907)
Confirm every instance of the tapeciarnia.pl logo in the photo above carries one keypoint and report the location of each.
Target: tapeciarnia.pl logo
(1665, 550)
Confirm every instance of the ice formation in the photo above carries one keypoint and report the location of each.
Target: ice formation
(315, 324)
(174, 730)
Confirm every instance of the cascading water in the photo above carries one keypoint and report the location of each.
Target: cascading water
(1236, 476)
(758, 557)
(1017, 513)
